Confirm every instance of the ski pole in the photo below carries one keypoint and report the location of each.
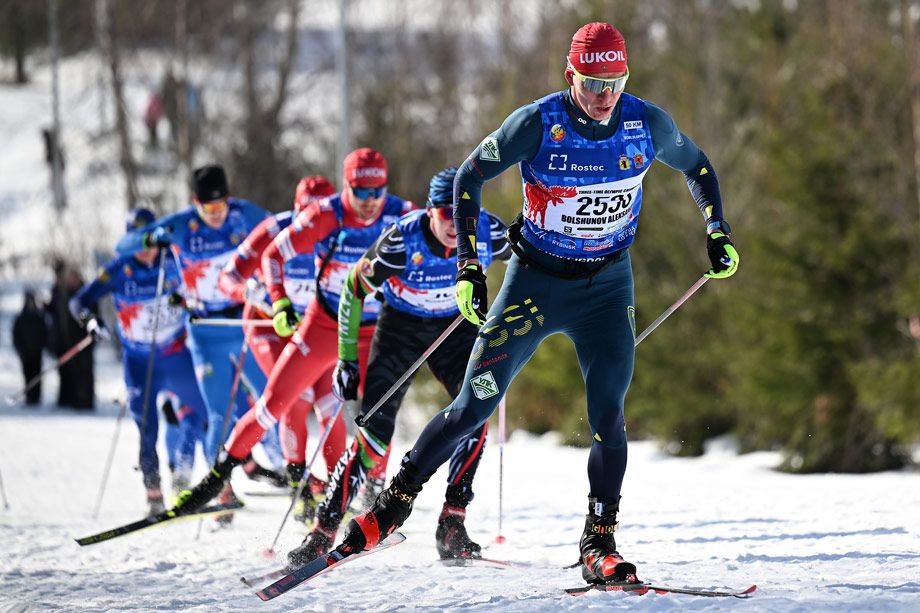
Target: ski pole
(501, 464)
(148, 382)
(270, 552)
(361, 420)
(702, 280)
(6, 504)
(108, 462)
(85, 342)
(257, 323)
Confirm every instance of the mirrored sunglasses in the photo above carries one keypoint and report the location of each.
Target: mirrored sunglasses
(363, 193)
(213, 207)
(596, 85)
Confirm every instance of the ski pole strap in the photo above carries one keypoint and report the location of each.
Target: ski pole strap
(702, 280)
(361, 420)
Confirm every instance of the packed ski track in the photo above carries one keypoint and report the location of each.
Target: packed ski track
(821, 542)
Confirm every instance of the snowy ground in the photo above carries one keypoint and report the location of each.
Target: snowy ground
(826, 542)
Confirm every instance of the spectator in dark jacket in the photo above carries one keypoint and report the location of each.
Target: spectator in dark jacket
(76, 376)
(29, 338)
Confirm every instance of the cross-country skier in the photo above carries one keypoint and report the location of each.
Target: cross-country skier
(338, 230)
(204, 237)
(414, 262)
(583, 154)
(132, 279)
(241, 278)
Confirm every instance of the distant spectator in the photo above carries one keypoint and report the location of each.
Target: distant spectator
(76, 376)
(29, 339)
(152, 116)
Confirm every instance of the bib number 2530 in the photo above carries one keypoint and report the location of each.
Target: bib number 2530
(602, 205)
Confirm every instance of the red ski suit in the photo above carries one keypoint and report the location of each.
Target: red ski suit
(313, 349)
(267, 346)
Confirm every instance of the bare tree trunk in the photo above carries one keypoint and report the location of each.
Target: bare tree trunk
(913, 80)
(183, 138)
(287, 61)
(128, 166)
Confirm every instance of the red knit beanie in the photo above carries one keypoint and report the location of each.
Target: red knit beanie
(310, 189)
(365, 168)
(598, 48)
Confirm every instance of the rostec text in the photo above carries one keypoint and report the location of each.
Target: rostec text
(587, 167)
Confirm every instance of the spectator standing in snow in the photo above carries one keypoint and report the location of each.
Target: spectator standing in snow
(29, 339)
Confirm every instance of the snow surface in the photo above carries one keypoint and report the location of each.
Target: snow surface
(810, 543)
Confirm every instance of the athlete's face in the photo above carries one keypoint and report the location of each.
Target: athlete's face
(596, 106)
(366, 202)
(213, 212)
(147, 256)
(442, 226)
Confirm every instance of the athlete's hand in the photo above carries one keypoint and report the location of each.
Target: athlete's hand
(99, 332)
(722, 255)
(286, 318)
(345, 380)
(158, 237)
(471, 292)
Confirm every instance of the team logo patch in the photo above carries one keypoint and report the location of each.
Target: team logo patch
(639, 160)
(632, 125)
(127, 270)
(366, 268)
(488, 150)
(557, 133)
(193, 225)
(417, 258)
(484, 386)
(624, 163)
(103, 276)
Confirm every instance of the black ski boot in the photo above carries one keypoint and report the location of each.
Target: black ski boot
(388, 513)
(189, 501)
(599, 557)
(305, 506)
(452, 539)
(317, 543)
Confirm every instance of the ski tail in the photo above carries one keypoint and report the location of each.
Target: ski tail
(641, 587)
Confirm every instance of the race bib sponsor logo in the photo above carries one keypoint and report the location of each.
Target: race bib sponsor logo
(484, 386)
(632, 125)
(488, 150)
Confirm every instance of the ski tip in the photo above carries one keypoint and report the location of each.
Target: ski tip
(750, 590)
